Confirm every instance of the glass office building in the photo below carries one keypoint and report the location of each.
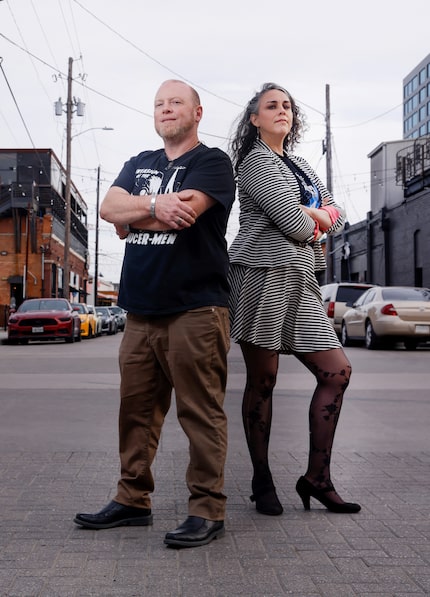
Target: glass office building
(416, 101)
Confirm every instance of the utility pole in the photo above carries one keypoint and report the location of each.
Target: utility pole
(71, 103)
(67, 219)
(327, 151)
(96, 264)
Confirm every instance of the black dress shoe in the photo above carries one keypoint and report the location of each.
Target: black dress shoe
(195, 531)
(115, 515)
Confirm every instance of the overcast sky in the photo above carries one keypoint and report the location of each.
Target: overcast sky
(123, 51)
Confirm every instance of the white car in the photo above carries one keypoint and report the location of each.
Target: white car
(336, 295)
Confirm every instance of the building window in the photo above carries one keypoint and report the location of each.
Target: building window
(423, 113)
(423, 75)
(423, 130)
(423, 94)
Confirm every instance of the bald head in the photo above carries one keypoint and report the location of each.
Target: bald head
(177, 111)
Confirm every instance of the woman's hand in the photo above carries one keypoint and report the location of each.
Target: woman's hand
(318, 215)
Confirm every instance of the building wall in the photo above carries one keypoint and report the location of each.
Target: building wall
(385, 189)
(32, 208)
(391, 247)
(416, 101)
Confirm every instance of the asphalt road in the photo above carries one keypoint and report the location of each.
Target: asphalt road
(56, 396)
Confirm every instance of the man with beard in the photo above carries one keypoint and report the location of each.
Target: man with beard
(172, 206)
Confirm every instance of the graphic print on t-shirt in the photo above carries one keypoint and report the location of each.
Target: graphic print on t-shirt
(148, 181)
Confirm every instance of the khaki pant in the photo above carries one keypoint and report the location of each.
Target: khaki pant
(187, 352)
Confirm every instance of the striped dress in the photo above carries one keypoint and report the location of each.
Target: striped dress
(275, 299)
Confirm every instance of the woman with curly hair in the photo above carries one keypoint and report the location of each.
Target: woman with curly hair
(275, 300)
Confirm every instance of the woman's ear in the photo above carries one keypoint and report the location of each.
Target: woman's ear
(254, 119)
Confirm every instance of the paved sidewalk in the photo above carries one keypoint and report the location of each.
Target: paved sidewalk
(382, 551)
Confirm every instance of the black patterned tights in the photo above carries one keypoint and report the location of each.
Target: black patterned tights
(332, 371)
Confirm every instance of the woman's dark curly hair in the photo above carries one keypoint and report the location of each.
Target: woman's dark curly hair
(246, 133)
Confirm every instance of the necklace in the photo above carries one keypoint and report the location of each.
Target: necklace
(171, 162)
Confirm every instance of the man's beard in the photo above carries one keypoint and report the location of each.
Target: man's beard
(173, 132)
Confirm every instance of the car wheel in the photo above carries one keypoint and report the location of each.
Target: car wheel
(410, 344)
(71, 338)
(371, 339)
(344, 338)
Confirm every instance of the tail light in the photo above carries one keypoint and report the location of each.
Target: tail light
(330, 309)
(388, 310)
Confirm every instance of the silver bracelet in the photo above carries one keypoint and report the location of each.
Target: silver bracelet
(152, 206)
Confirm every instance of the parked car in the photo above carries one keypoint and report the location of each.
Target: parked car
(97, 318)
(88, 321)
(44, 319)
(121, 316)
(109, 323)
(336, 295)
(388, 314)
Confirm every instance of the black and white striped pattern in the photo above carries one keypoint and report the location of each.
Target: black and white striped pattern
(275, 300)
(270, 219)
(279, 308)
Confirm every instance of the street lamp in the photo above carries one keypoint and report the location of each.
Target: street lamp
(94, 128)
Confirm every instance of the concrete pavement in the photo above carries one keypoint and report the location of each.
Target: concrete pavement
(381, 459)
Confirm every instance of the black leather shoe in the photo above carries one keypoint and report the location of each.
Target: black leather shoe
(195, 531)
(115, 515)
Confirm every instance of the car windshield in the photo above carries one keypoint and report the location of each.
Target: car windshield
(406, 294)
(79, 308)
(102, 311)
(44, 305)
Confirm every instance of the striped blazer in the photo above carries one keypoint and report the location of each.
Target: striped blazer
(272, 225)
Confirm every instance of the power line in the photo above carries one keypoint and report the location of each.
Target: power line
(349, 126)
(133, 45)
(83, 84)
(16, 104)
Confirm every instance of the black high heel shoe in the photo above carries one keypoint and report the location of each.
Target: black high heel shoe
(306, 490)
(266, 500)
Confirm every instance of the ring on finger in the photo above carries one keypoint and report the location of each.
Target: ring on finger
(179, 221)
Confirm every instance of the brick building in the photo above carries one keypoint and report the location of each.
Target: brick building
(32, 217)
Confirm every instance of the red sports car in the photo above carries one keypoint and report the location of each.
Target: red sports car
(44, 319)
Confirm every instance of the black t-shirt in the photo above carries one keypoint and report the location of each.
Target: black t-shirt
(173, 271)
(310, 195)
